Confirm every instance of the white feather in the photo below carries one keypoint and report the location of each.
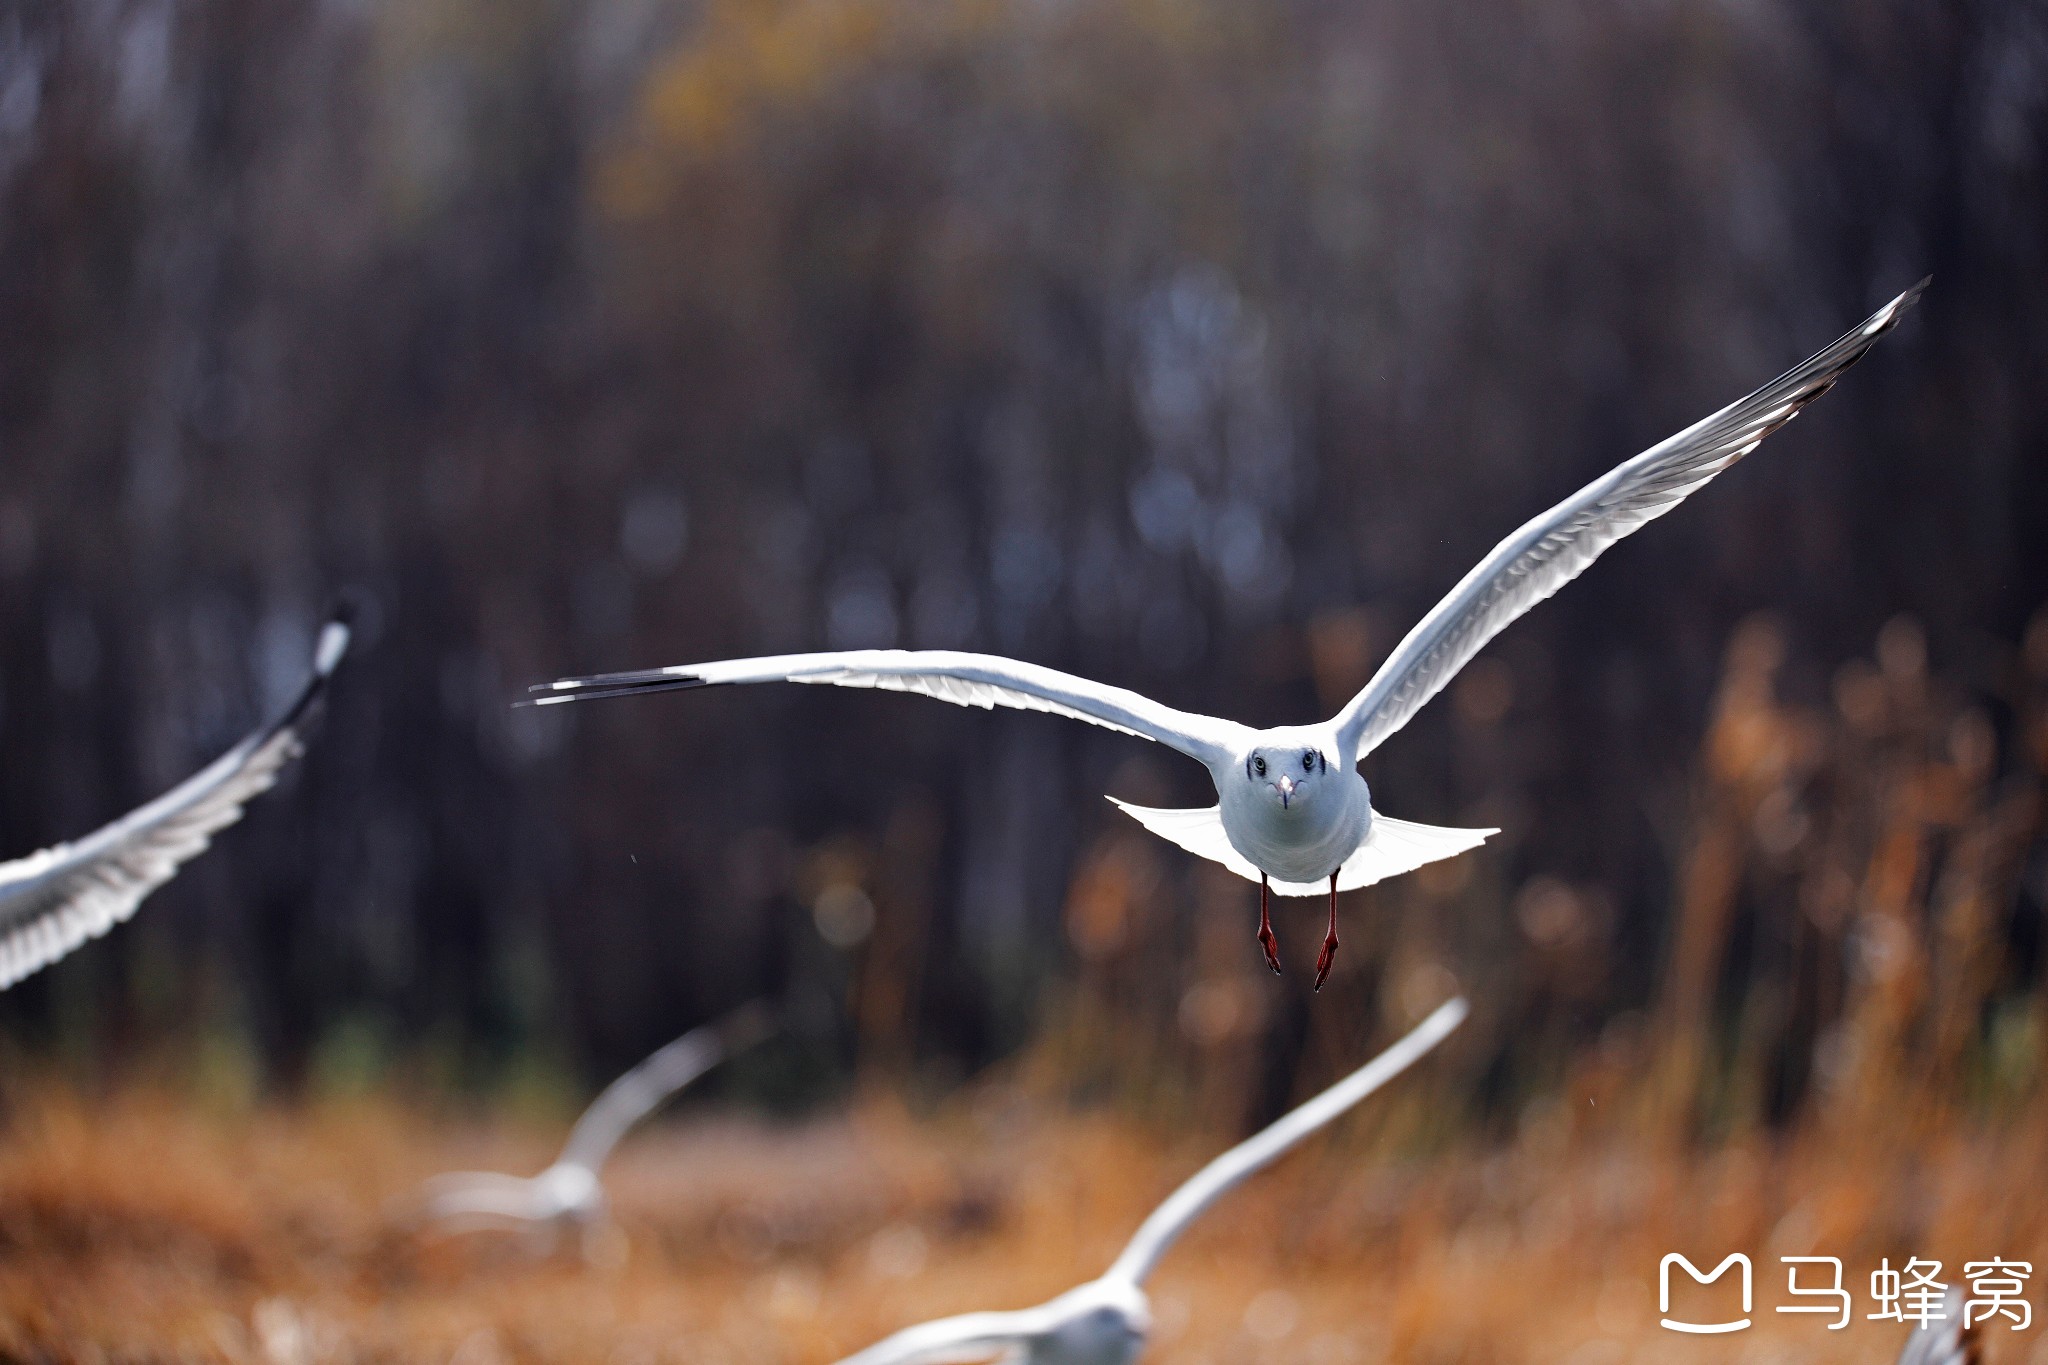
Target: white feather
(1391, 846)
(56, 899)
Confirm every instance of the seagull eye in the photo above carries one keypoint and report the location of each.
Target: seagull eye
(1259, 766)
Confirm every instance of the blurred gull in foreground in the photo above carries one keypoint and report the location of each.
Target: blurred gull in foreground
(1944, 1341)
(1105, 1321)
(568, 1193)
(1288, 817)
(53, 901)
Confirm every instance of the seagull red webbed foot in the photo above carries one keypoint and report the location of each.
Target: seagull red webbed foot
(1266, 939)
(1329, 953)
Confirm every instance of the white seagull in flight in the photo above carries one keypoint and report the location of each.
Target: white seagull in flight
(1945, 1340)
(55, 900)
(1287, 816)
(1105, 1321)
(568, 1193)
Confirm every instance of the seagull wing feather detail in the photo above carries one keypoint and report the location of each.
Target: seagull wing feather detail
(1255, 1153)
(54, 900)
(1557, 546)
(983, 680)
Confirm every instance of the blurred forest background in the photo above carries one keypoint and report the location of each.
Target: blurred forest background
(1194, 346)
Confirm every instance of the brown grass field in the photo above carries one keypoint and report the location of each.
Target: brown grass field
(1882, 839)
(137, 1228)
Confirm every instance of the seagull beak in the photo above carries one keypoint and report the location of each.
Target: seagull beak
(1285, 786)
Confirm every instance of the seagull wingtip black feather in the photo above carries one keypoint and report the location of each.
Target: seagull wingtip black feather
(595, 689)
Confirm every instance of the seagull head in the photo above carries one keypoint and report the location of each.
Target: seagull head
(1288, 773)
(1103, 1322)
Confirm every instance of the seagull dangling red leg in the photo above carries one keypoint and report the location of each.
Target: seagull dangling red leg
(1266, 939)
(1329, 953)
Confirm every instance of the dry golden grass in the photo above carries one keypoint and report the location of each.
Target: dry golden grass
(135, 1227)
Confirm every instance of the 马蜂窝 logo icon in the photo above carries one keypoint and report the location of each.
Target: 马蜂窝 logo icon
(1703, 1328)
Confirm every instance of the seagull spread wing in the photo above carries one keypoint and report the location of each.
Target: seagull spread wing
(1556, 547)
(1944, 1340)
(951, 1341)
(646, 1087)
(984, 680)
(1255, 1153)
(476, 1199)
(52, 901)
